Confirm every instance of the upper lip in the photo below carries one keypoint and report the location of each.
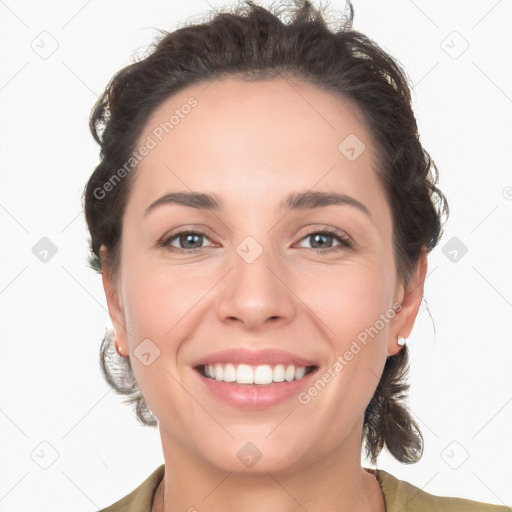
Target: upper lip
(253, 357)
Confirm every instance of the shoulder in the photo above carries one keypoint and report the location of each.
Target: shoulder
(402, 496)
(141, 498)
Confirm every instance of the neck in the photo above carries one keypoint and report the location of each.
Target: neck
(335, 483)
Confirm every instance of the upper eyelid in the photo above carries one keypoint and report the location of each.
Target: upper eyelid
(330, 231)
(200, 231)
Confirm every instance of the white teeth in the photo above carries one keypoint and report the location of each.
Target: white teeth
(290, 373)
(262, 375)
(229, 373)
(219, 372)
(299, 373)
(244, 374)
(278, 373)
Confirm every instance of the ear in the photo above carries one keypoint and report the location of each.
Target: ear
(410, 298)
(114, 303)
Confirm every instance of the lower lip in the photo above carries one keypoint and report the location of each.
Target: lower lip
(255, 396)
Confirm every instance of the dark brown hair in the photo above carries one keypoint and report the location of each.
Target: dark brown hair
(249, 42)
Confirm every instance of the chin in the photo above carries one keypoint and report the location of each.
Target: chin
(253, 454)
(249, 460)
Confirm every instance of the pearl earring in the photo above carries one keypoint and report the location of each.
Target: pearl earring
(117, 348)
(401, 341)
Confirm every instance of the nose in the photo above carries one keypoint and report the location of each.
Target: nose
(255, 294)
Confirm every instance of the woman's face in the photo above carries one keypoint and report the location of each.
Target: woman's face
(250, 291)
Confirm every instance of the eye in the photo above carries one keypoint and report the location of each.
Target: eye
(322, 240)
(189, 242)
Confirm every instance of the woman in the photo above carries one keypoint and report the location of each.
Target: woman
(261, 218)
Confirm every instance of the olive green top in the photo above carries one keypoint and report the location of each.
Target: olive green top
(399, 496)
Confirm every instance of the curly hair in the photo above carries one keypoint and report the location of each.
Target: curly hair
(252, 43)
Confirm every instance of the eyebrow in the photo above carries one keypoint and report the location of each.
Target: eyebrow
(296, 201)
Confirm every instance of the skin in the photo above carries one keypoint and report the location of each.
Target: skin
(252, 144)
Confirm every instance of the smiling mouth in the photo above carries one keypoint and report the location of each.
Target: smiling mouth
(260, 375)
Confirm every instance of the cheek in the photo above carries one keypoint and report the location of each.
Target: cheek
(345, 300)
(162, 307)
(156, 299)
(353, 309)
(156, 306)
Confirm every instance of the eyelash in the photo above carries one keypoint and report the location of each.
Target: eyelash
(339, 235)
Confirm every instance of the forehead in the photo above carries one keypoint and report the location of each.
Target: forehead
(256, 139)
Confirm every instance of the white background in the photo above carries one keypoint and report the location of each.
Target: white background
(53, 314)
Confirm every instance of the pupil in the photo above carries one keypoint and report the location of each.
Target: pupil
(188, 238)
(319, 236)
